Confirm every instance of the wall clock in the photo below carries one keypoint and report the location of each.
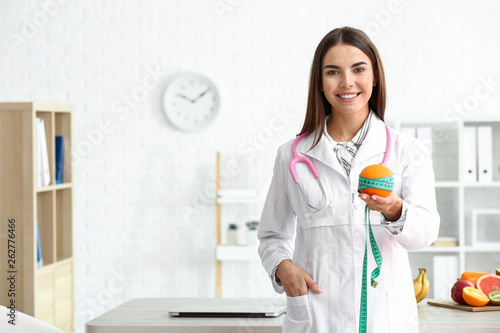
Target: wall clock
(191, 101)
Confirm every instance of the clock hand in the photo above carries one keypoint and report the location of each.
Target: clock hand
(201, 95)
(189, 99)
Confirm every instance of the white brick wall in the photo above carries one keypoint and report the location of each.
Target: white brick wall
(136, 177)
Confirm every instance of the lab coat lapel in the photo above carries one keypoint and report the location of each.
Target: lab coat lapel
(322, 152)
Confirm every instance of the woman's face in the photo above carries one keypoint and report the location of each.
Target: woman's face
(347, 79)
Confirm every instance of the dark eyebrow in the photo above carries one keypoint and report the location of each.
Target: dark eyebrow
(359, 64)
(331, 66)
(354, 65)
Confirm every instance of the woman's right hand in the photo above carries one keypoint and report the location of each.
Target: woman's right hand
(295, 279)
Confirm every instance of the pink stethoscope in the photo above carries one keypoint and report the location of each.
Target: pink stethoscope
(302, 159)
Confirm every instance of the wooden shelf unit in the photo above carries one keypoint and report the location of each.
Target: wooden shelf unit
(46, 292)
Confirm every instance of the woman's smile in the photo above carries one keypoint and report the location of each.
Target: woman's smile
(348, 97)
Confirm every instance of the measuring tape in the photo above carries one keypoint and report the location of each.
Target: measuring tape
(383, 183)
(375, 272)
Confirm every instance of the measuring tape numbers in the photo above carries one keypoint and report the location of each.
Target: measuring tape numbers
(375, 273)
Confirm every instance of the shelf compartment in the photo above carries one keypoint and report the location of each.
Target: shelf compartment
(444, 144)
(442, 270)
(48, 121)
(63, 128)
(485, 228)
(45, 217)
(477, 199)
(422, 260)
(64, 228)
(447, 205)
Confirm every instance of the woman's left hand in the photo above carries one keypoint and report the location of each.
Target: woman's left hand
(391, 206)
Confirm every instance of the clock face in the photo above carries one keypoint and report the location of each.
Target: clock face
(191, 101)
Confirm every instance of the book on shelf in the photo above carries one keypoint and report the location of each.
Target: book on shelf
(470, 154)
(39, 258)
(484, 154)
(42, 156)
(446, 241)
(59, 160)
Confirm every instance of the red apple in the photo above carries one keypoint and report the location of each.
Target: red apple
(456, 290)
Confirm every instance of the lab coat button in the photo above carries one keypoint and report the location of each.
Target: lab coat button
(356, 206)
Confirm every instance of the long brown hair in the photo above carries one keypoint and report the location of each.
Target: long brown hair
(318, 107)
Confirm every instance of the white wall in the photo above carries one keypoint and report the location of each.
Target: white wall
(144, 210)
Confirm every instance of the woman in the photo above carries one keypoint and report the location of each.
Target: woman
(321, 269)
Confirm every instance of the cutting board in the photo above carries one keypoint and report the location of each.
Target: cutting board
(464, 307)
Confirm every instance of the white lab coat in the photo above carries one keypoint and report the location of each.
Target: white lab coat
(329, 244)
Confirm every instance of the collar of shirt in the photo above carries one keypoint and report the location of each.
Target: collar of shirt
(346, 151)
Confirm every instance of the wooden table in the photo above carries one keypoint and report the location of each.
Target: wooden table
(148, 315)
(436, 319)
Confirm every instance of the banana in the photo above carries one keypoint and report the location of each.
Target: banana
(417, 284)
(425, 286)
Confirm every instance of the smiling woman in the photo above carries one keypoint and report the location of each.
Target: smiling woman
(314, 238)
(348, 85)
(361, 71)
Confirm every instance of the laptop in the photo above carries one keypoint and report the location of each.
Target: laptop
(231, 311)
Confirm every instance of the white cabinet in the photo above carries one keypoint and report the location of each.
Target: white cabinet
(462, 201)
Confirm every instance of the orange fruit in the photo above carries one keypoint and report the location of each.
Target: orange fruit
(373, 172)
(474, 297)
(473, 276)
